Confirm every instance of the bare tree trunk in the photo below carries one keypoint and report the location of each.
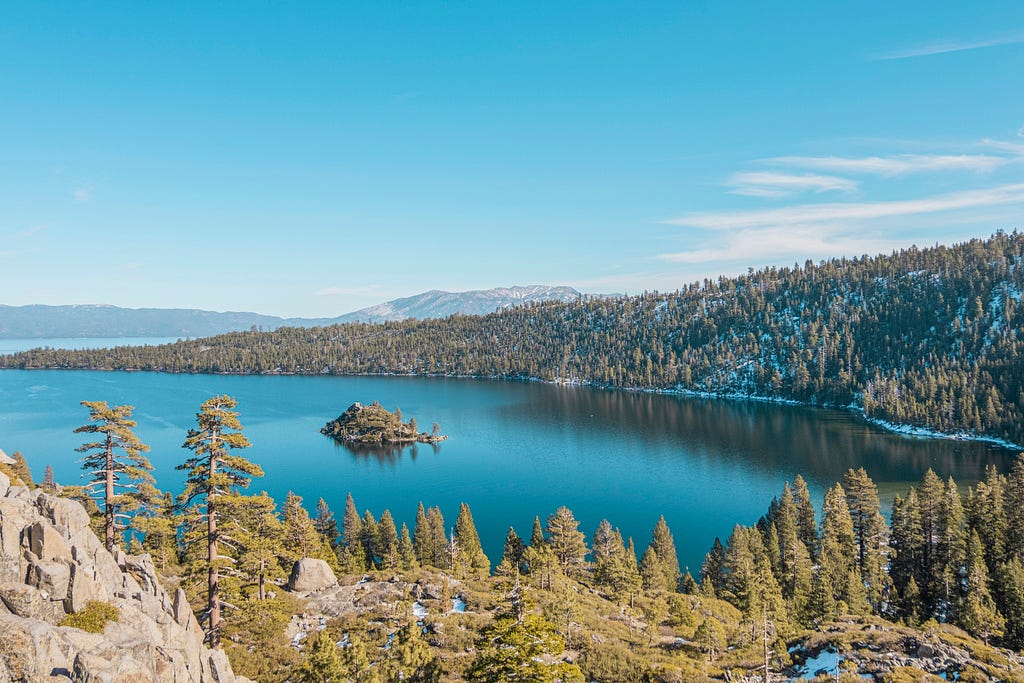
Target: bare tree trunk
(109, 531)
(263, 581)
(764, 626)
(211, 531)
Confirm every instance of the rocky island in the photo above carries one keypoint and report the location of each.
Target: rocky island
(374, 425)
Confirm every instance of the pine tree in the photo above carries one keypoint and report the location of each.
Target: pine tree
(871, 534)
(807, 528)
(910, 602)
(406, 550)
(538, 557)
(325, 524)
(48, 484)
(711, 637)
(987, 514)
(1011, 599)
(212, 472)
(713, 569)
(838, 551)
(159, 528)
(512, 555)
(907, 543)
(370, 539)
(931, 500)
(952, 551)
(441, 558)
(603, 544)
(652, 571)
(567, 542)
(795, 569)
(739, 566)
(766, 612)
(300, 538)
(978, 614)
(537, 534)
(114, 463)
(255, 535)
(324, 662)
(354, 554)
(22, 470)
(422, 541)
(474, 561)
(665, 546)
(411, 658)
(390, 554)
(1014, 492)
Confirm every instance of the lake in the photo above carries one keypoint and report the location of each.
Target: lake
(515, 449)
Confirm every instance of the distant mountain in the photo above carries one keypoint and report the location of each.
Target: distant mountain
(924, 338)
(440, 304)
(89, 320)
(35, 322)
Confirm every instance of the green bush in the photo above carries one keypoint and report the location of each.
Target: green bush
(93, 617)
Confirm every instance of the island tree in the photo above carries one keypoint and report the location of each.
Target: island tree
(114, 463)
(215, 471)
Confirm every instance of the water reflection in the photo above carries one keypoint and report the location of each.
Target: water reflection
(386, 454)
(820, 444)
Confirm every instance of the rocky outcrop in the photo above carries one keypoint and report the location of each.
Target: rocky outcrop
(51, 565)
(311, 574)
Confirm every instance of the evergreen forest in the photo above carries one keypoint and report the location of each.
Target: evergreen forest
(925, 337)
(940, 586)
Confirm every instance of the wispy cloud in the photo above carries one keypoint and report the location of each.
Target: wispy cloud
(803, 214)
(83, 193)
(775, 184)
(1015, 148)
(895, 165)
(364, 290)
(33, 230)
(950, 46)
(765, 244)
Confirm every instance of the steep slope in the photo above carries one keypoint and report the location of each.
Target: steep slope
(52, 565)
(440, 304)
(89, 320)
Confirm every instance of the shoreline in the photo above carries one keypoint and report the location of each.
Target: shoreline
(892, 427)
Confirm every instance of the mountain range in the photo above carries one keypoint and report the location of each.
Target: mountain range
(90, 320)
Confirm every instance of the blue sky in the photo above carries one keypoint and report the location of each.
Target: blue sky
(313, 159)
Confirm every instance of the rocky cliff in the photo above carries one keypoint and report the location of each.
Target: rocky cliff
(52, 565)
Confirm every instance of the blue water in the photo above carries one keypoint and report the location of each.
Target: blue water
(515, 449)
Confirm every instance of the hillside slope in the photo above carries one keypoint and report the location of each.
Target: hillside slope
(48, 540)
(928, 337)
(440, 304)
(93, 320)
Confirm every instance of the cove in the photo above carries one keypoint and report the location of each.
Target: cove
(516, 449)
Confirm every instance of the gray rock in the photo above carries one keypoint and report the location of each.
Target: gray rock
(83, 588)
(51, 578)
(310, 574)
(23, 601)
(47, 543)
(182, 611)
(63, 512)
(51, 563)
(5, 484)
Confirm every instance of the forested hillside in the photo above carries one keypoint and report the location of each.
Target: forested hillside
(927, 337)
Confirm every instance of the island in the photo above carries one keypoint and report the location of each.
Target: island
(374, 425)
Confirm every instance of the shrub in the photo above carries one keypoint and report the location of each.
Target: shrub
(93, 617)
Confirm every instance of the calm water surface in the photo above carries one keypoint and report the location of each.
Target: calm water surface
(515, 450)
